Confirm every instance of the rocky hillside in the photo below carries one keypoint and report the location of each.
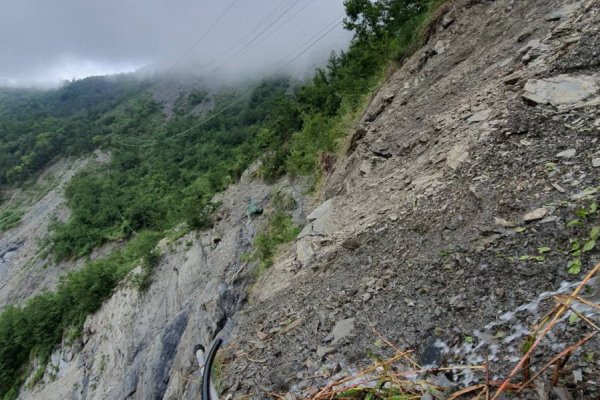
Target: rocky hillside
(450, 221)
(462, 202)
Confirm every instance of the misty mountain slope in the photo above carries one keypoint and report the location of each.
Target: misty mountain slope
(453, 216)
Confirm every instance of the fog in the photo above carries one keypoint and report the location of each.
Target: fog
(46, 42)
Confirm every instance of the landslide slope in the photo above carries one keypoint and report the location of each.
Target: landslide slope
(451, 215)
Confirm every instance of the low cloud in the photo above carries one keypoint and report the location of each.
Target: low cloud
(44, 42)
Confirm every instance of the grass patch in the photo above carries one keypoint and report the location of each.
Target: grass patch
(10, 218)
(280, 229)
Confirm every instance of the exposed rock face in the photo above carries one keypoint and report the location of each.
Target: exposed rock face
(141, 345)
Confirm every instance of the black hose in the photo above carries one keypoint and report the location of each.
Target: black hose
(210, 358)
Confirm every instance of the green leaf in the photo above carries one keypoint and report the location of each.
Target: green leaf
(539, 258)
(589, 245)
(582, 213)
(349, 393)
(593, 208)
(544, 249)
(573, 222)
(469, 339)
(524, 258)
(575, 245)
(595, 232)
(574, 267)
(520, 229)
(573, 319)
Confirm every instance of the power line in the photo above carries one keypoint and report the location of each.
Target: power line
(284, 23)
(257, 36)
(203, 36)
(277, 67)
(254, 29)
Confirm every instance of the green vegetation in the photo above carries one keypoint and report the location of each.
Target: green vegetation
(280, 229)
(165, 171)
(585, 240)
(38, 126)
(10, 218)
(34, 329)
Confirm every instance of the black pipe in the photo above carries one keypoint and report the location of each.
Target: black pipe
(210, 358)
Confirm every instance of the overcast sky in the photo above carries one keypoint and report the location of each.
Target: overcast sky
(44, 41)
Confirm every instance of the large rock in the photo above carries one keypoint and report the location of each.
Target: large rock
(563, 91)
(320, 221)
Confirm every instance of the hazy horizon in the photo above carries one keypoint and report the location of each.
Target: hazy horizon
(45, 44)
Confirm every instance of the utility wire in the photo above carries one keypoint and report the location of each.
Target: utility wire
(284, 23)
(257, 36)
(251, 32)
(202, 37)
(277, 67)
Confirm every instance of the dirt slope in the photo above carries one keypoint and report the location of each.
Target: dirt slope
(468, 164)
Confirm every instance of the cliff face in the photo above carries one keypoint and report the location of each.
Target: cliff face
(141, 345)
(472, 157)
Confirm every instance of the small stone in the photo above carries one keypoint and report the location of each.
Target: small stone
(577, 376)
(499, 292)
(366, 297)
(393, 217)
(504, 223)
(322, 351)
(558, 187)
(365, 167)
(596, 162)
(381, 150)
(370, 282)
(261, 335)
(342, 329)
(535, 214)
(547, 220)
(440, 47)
(479, 116)
(570, 153)
(447, 21)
